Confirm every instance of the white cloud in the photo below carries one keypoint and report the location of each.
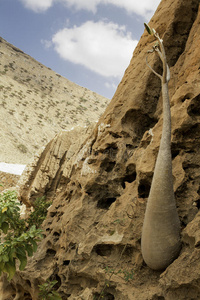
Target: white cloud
(105, 48)
(47, 44)
(90, 5)
(37, 5)
(111, 85)
(144, 8)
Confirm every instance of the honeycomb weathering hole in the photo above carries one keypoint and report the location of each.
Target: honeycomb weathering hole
(105, 203)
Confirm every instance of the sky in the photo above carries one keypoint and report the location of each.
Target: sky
(90, 42)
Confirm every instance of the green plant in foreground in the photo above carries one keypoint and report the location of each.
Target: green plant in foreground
(47, 292)
(40, 211)
(17, 241)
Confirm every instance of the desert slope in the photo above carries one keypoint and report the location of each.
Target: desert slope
(36, 103)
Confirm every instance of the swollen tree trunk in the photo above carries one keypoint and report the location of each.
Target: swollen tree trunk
(161, 228)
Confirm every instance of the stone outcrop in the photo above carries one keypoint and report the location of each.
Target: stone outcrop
(93, 228)
(51, 167)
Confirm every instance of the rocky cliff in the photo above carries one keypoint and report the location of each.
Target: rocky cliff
(93, 229)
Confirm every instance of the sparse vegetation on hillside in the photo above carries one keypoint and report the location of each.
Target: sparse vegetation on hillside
(33, 96)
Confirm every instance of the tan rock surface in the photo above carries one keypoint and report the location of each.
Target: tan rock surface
(94, 225)
(51, 167)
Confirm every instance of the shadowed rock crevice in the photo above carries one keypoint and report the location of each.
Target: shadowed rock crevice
(193, 109)
(131, 124)
(144, 188)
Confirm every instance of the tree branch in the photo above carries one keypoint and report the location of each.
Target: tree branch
(153, 69)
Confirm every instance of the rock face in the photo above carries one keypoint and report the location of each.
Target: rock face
(51, 167)
(93, 229)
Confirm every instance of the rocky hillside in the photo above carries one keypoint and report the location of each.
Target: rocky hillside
(36, 103)
(100, 188)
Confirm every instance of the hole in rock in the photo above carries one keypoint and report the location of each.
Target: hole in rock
(56, 233)
(187, 96)
(174, 150)
(129, 178)
(58, 284)
(194, 108)
(27, 296)
(158, 298)
(111, 151)
(51, 252)
(144, 189)
(175, 153)
(135, 122)
(28, 282)
(198, 203)
(105, 203)
(66, 262)
(107, 165)
(103, 250)
(128, 251)
(106, 296)
(53, 214)
(130, 146)
(57, 278)
(183, 223)
(130, 173)
(109, 296)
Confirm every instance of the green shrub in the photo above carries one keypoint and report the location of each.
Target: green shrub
(40, 211)
(17, 241)
(22, 148)
(47, 292)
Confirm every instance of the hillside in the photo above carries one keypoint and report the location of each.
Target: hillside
(36, 103)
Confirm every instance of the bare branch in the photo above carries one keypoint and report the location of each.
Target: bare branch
(153, 69)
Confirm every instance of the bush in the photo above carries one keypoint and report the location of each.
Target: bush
(39, 213)
(47, 292)
(18, 237)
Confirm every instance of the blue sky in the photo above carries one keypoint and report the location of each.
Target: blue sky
(90, 42)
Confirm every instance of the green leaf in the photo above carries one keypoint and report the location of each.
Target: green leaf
(34, 245)
(4, 209)
(23, 262)
(56, 296)
(10, 269)
(29, 250)
(148, 29)
(21, 251)
(5, 227)
(2, 263)
(5, 258)
(3, 217)
(12, 254)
